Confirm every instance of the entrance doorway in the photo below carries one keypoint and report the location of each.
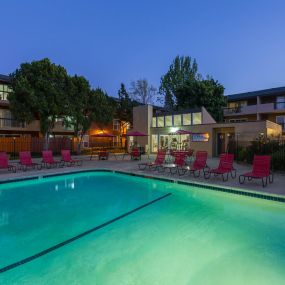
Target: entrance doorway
(221, 143)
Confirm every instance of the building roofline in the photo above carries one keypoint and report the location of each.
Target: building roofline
(162, 112)
(5, 78)
(265, 92)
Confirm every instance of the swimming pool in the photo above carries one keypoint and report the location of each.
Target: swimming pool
(110, 228)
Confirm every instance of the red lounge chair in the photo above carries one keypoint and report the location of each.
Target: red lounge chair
(103, 155)
(66, 158)
(225, 167)
(135, 154)
(48, 160)
(4, 162)
(200, 163)
(179, 162)
(260, 170)
(26, 161)
(160, 158)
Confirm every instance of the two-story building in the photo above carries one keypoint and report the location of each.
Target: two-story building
(9, 127)
(268, 104)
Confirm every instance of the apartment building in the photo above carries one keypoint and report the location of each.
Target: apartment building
(9, 127)
(268, 104)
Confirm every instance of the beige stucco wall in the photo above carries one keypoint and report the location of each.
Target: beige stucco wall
(142, 116)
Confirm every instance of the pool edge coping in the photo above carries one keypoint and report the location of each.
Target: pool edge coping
(220, 188)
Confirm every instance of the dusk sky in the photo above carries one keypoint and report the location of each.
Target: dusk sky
(239, 43)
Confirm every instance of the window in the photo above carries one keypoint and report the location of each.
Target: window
(281, 121)
(154, 143)
(164, 141)
(116, 125)
(177, 120)
(280, 103)
(186, 119)
(168, 121)
(154, 122)
(160, 121)
(5, 90)
(197, 118)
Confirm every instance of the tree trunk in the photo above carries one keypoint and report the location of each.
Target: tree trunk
(46, 145)
(79, 144)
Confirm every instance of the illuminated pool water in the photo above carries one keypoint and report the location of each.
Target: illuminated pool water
(193, 236)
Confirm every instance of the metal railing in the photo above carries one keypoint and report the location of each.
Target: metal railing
(279, 105)
(233, 110)
(11, 123)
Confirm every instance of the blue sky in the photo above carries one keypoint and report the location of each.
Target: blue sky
(240, 43)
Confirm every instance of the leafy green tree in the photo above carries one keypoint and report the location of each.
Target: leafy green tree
(87, 106)
(198, 93)
(143, 92)
(124, 106)
(39, 91)
(182, 69)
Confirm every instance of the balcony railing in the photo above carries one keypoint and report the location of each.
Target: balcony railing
(279, 105)
(234, 110)
(11, 123)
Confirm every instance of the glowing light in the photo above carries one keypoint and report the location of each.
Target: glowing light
(173, 129)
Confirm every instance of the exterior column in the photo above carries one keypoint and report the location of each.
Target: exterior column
(257, 108)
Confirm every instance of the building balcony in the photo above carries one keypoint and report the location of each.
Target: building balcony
(8, 124)
(255, 109)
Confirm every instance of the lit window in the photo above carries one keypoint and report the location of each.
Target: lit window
(177, 120)
(5, 90)
(154, 122)
(160, 121)
(197, 118)
(168, 121)
(116, 125)
(186, 119)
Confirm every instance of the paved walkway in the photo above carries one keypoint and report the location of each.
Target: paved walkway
(278, 187)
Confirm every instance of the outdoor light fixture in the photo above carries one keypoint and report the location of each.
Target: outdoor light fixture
(173, 129)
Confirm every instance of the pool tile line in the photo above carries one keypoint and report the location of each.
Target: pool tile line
(211, 187)
(68, 241)
(195, 184)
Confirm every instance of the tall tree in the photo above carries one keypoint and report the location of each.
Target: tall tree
(87, 106)
(142, 92)
(207, 93)
(39, 91)
(124, 106)
(182, 69)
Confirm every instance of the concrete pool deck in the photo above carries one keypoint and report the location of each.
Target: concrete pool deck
(126, 165)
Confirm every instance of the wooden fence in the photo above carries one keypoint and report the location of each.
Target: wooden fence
(34, 144)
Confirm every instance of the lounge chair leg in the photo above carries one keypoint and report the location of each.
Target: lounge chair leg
(264, 181)
(241, 179)
(225, 178)
(233, 173)
(207, 175)
(270, 178)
